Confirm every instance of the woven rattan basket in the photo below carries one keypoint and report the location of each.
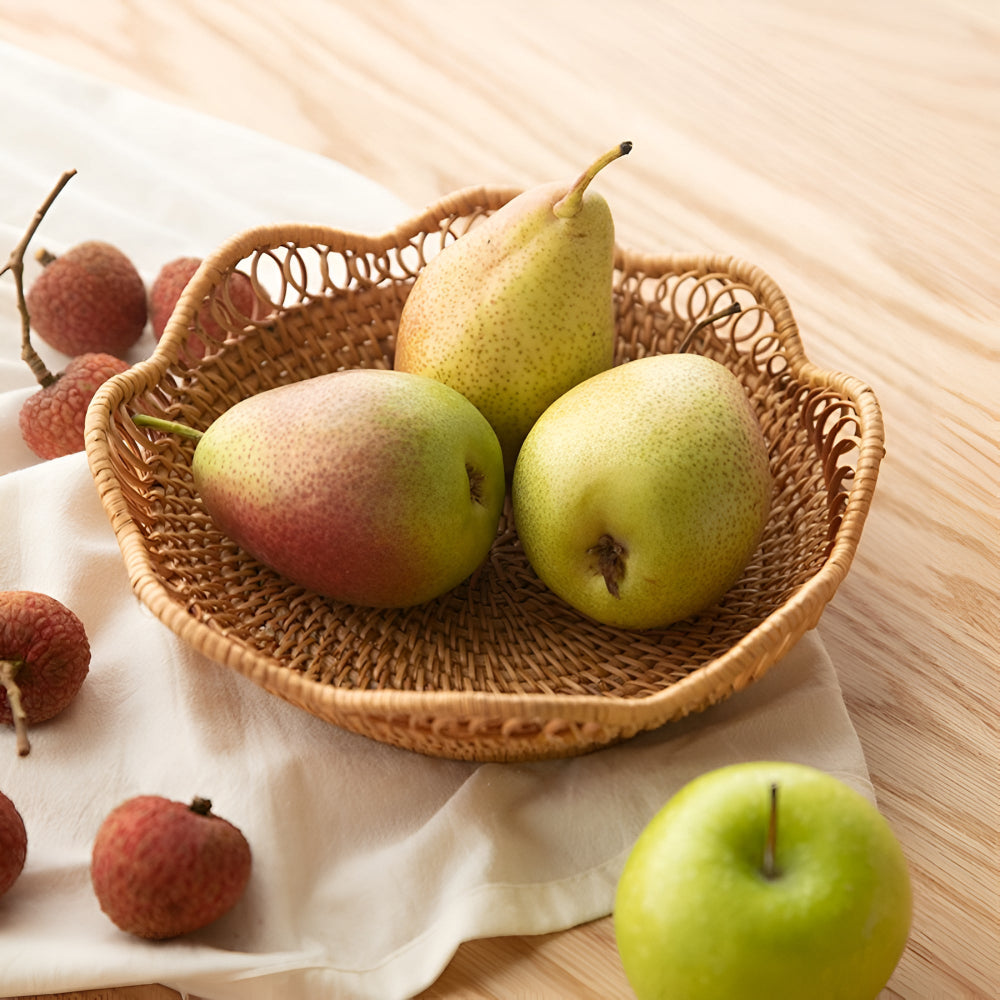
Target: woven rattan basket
(498, 669)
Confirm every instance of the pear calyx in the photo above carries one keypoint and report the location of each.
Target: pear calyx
(476, 479)
(609, 562)
(569, 204)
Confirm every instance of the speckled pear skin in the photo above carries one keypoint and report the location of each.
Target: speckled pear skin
(664, 456)
(373, 487)
(517, 310)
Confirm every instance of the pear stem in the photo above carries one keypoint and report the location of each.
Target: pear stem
(730, 310)
(570, 203)
(167, 426)
(770, 845)
(8, 671)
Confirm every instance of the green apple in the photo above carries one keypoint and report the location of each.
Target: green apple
(763, 881)
(641, 494)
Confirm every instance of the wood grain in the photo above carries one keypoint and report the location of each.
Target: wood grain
(851, 150)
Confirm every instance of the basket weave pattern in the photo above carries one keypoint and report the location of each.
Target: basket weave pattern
(498, 669)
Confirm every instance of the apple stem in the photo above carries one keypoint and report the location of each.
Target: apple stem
(8, 671)
(167, 426)
(730, 310)
(200, 806)
(569, 204)
(770, 845)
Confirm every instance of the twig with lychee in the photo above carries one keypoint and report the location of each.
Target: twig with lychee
(52, 419)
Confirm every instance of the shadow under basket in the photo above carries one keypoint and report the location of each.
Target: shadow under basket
(499, 669)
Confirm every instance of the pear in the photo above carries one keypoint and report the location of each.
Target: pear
(641, 494)
(518, 309)
(372, 487)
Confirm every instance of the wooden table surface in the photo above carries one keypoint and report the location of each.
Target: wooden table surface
(849, 149)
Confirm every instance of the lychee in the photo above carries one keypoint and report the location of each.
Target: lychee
(161, 868)
(13, 844)
(90, 299)
(237, 298)
(52, 419)
(44, 659)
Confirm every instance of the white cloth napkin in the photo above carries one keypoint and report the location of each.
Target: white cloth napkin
(371, 864)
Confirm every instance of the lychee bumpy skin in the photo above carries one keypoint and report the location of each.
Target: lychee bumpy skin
(52, 419)
(44, 660)
(13, 844)
(161, 868)
(89, 299)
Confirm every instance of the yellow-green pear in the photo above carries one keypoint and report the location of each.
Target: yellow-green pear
(519, 309)
(640, 495)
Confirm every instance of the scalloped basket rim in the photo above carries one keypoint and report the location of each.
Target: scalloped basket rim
(745, 661)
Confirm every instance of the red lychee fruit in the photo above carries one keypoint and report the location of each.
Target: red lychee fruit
(44, 659)
(237, 298)
(91, 299)
(13, 844)
(162, 868)
(52, 420)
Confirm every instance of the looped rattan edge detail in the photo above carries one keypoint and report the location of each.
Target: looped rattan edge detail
(481, 724)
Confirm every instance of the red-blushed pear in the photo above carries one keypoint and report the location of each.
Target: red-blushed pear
(763, 880)
(374, 487)
(519, 308)
(641, 494)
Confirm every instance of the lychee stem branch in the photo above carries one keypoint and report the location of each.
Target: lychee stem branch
(15, 264)
(167, 426)
(730, 310)
(569, 204)
(8, 670)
